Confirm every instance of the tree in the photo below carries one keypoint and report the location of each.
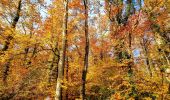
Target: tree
(63, 54)
(85, 68)
(9, 39)
(81, 49)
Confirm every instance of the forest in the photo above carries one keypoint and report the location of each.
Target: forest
(84, 49)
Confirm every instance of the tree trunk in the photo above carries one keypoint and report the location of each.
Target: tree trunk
(63, 54)
(145, 48)
(66, 77)
(53, 70)
(8, 41)
(130, 69)
(129, 10)
(84, 72)
(14, 23)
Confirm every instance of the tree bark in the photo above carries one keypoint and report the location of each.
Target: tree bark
(66, 77)
(85, 68)
(145, 47)
(14, 23)
(8, 41)
(130, 65)
(53, 72)
(63, 54)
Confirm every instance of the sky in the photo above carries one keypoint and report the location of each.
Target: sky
(43, 10)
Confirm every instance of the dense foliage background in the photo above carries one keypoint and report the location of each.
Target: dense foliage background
(85, 49)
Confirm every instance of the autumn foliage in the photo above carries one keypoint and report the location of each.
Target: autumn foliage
(117, 49)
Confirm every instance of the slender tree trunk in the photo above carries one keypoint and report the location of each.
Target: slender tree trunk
(84, 72)
(162, 83)
(130, 65)
(129, 10)
(8, 41)
(14, 23)
(66, 77)
(168, 88)
(145, 47)
(53, 71)
(130, 71)
(148, 64)
(63, 54)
